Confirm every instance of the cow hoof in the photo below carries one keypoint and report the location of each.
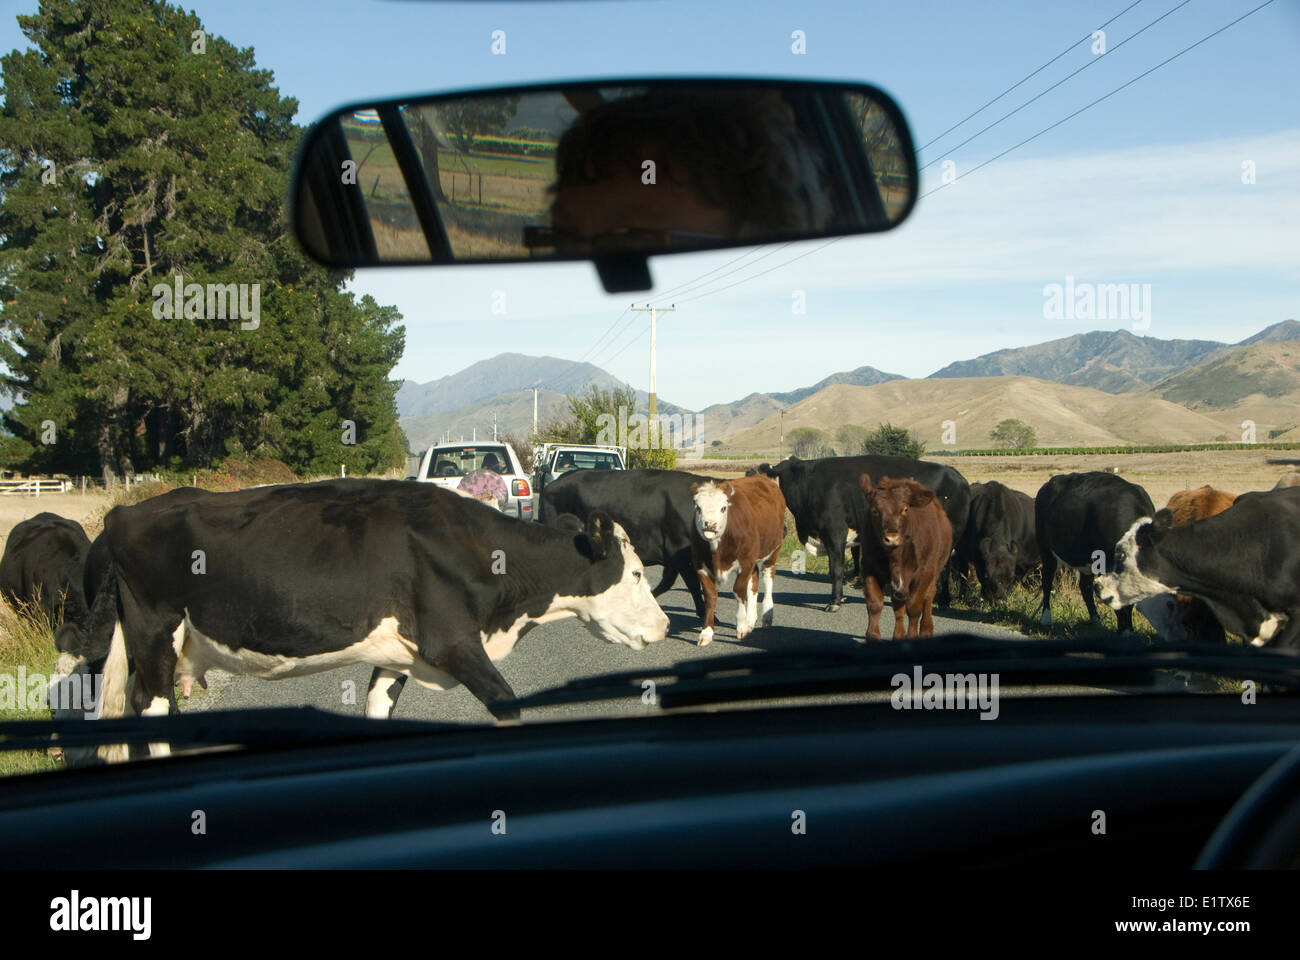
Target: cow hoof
(769, 618)
(706, 636)
(741, 634)
(1046, 619)
(832, 607)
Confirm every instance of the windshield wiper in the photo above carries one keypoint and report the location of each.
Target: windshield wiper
(777, 675)
(261, 727)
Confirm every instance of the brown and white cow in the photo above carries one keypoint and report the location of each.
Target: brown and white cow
(739, 525)
(906, 549)
(1180, 618)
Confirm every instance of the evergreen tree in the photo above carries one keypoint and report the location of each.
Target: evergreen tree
(138, 151)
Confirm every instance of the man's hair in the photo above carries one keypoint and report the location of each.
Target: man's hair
(742, 151)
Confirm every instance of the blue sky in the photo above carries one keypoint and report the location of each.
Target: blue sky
(1144, 188)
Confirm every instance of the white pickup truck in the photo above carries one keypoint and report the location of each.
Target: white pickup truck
(444, 464)
(553, 460)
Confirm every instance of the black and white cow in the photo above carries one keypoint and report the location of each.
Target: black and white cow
(42, 566)
(825, 496)
(294, 579)
(1078, 519)
(1000, 540)
(1244, 563)
(653, 506)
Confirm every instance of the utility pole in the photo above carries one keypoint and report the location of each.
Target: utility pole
(782, 450)
(494, 426)
(535, 410)
(653, 311)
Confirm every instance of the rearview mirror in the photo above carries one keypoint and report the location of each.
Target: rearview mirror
(608, 171)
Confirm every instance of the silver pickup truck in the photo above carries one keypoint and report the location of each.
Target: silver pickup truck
(444, 464)
(553, 460)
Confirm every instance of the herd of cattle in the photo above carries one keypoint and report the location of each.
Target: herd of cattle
(284, 580)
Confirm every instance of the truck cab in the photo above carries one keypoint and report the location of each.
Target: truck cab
(553, 460)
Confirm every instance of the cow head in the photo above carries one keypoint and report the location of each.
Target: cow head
(712, 502)
(888, 504)
(1164, 612)
(995, 565)
(1135, 564)
(625, 611)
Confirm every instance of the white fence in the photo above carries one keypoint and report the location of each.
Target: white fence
(36, 486)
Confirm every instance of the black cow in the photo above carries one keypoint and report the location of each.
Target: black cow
(1244, 563)
(42, 566)
(825, 496)
(654, 507)
(293, 579)
(1000, 538)
(1078, 519)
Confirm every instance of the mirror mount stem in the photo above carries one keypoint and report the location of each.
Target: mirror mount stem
(623, 272)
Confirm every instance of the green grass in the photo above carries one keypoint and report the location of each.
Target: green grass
(27, 640)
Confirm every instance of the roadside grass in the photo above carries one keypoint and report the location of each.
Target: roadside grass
(26, 640)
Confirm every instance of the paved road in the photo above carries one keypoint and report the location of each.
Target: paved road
(555, 653)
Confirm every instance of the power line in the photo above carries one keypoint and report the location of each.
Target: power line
(1101, 98)
(1067, 77)
(1030, 76)
(690, 283)
(1145, 73)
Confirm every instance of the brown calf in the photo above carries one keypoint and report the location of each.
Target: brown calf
(907, 548)
(738, 530)
(1181, 618)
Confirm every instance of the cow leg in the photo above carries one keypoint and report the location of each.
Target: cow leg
(834, 544)
(1049, 574)
(1125, 617)
(468, 662)
(948, 572)
(381, 696)
(746, 603)
(669, 578)
(926, 610)
(710, 588)
(1086, 581)
(875, 605)
(692, 581)
(900, 617)
(769, 582)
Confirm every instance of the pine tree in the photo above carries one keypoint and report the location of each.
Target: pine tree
(137, 151)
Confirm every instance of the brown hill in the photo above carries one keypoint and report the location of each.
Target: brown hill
(1062, 415)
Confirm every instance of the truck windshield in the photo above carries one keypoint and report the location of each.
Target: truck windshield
(585, 460)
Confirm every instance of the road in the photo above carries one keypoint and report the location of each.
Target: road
(553, 654)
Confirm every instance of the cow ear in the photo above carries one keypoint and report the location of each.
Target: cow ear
(600, 534)
(729, 490)
(766, 470)
(1161, 523)
(920, 496)
(985, 543)
(695, 487)
(1013, 547)
(864, 482)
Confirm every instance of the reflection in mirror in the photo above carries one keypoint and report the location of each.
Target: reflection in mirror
(588, 171)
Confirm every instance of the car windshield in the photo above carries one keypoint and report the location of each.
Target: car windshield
(967, 429)
(458, 461)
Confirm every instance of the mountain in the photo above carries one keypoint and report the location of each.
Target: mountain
(1259, 383)
(1286, 330)
(725, 419)
(1062, 414)
(500, 390)
(1114, 361)
(505, 373)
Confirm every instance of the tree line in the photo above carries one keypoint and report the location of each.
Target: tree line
(126, 201)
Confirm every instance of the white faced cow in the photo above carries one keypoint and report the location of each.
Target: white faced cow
(739, 526)
(294, 579)
(1244, 563)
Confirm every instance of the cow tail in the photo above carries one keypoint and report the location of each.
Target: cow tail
(106, 644)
